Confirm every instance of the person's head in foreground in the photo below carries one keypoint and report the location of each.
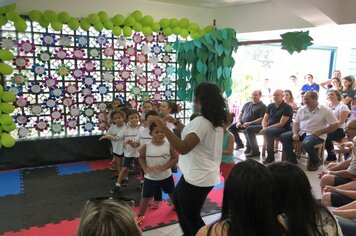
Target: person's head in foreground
(108, 217)
(247, 207)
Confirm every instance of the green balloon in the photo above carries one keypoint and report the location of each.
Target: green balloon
(173, 22)
(6, 55)
(8, 96)
(12, 15)
(56, 25)
(137, 27)
(1, 90)
(183, 23)
(116, 30)
(94, 18)
(184, 33)
(11, 7)
(137, 15)
(103, 16)
(195, 35)
(167, 31)
(3, 20)
(6, 119)
(7, 108)
(84, 24)
(108, 25)
(20, 25)
(118, 19)
(9, 128)
(193, 27)
(3, 10)
(164, 22)
(146, 30)
(49, 15)
(129, 21)
(44, 23)
(73, 23)
(63, 17)
(155, 27)
(146, 20)
(127, 31)
(208, 29)
(5, 69)
(35, 15)
(98, 27)
(176, 30)
(7, 140)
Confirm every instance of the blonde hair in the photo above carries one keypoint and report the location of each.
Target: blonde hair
(108, 217)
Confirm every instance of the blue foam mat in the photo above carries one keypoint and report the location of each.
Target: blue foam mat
(74, 168)
(10, 182)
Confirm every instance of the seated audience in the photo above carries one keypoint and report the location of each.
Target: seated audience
(289, 99)
(310, 85)
(339, 173)
(250, 114)
(341, 111)
(107, 217)
(346, 216)
(348, 91)
(330, 83)
(312, 124)
(276, 121)
(340, 195)
(299, 211)
(247, 207)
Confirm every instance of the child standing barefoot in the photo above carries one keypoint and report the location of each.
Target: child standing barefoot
(156, 159)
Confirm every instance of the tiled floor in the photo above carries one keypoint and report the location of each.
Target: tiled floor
(174, 230)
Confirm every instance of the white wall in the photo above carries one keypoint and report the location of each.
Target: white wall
(82, 8)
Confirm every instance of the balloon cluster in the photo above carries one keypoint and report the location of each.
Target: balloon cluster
(120, 25)
(7, 124)
(8, 13)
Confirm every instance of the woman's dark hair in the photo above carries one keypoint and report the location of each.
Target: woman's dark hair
(351, 79)
(174, 106)
(290, 93)
(338, 81)
(213, 105)
(152, 126)
(247, 207)
(303, 213)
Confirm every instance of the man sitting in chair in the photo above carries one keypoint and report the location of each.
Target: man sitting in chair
(312, 124)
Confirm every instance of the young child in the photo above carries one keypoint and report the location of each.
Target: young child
(118, 118)
(142, 138)
(115, 103)
(227, 160)
(146, 107)
(156, 159)
(130, 153)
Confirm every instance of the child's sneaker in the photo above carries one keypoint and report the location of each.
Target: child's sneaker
(139, 220)
(156, 204)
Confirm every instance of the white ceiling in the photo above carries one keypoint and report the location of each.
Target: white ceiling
(210, 3)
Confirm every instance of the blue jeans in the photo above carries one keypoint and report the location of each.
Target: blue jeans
(251, 141)
(348, 226)
(308, 142)
(270, 135)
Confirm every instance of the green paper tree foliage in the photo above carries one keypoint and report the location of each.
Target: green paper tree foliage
(296, 41)
(206, 59)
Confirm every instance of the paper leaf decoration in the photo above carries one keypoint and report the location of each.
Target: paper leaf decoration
(296, 41)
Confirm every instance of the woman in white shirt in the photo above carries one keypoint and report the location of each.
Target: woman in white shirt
(200, 149)
(341, 111)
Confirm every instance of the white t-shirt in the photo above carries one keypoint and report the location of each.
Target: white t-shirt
(128, 134)
(338, 109)
(158, 155)
(318, 119)
(143, 136)
(117, 142)
(201, 165)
